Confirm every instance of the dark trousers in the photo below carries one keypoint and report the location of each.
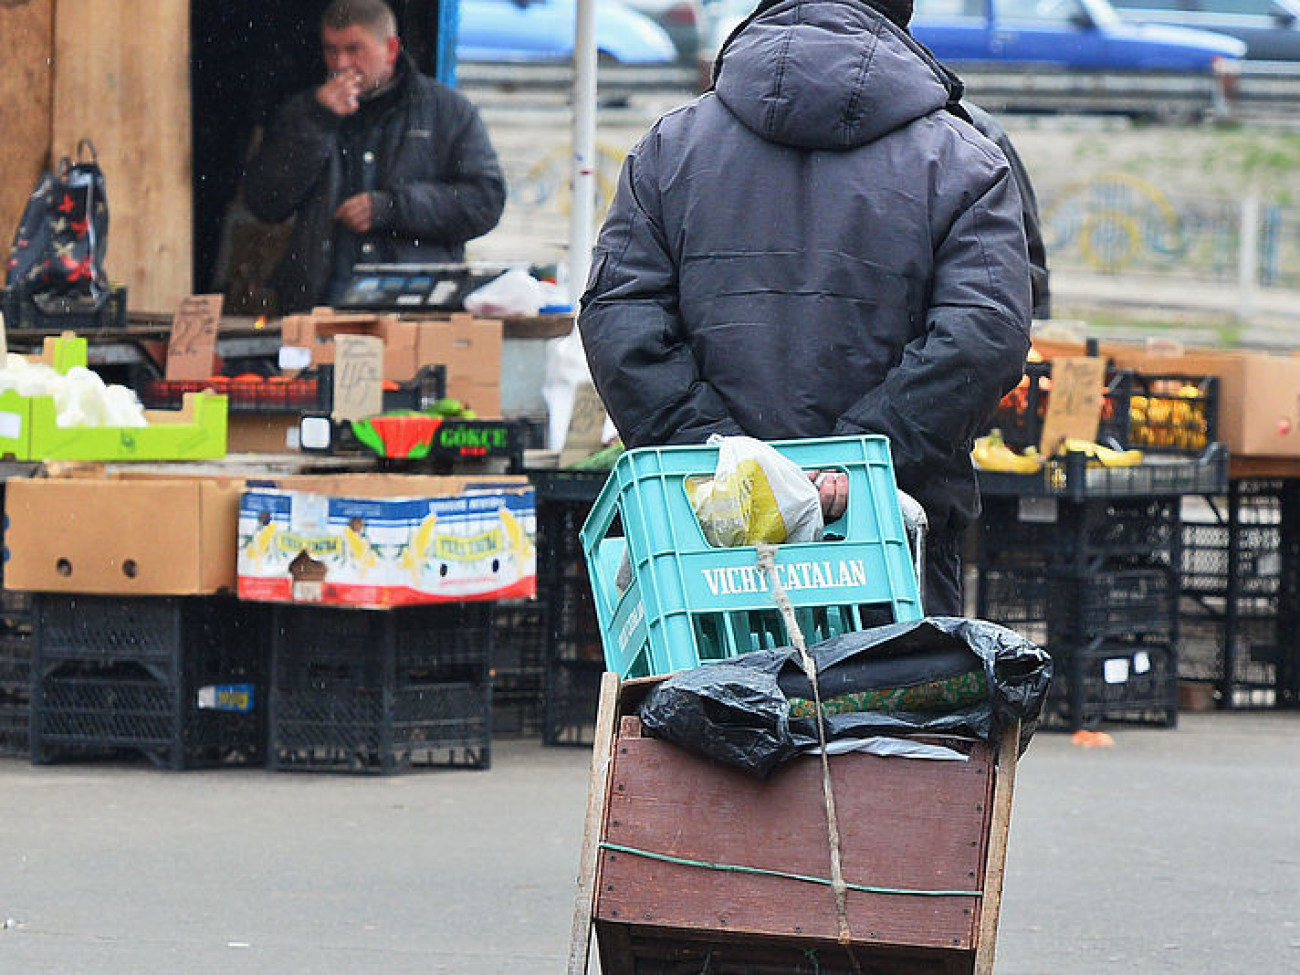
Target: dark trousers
(942, 585)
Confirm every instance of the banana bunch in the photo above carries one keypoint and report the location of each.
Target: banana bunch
(1098, 454)
(1175, 418)
(992, 454)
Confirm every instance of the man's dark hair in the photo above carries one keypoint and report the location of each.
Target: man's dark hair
(899, 11)
(374, 15)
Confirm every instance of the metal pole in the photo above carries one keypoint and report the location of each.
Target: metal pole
(1248, 256)
(582, 213)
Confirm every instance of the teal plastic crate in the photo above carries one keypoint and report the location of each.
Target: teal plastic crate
(688, 602)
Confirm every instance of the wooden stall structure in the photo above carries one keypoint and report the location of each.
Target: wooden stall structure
(171, 95)
(115, 72)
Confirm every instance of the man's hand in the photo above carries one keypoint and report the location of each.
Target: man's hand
(833, 490)
(341, 94)
(356, 213)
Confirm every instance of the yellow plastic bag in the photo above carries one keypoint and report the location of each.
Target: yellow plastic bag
(756, 494)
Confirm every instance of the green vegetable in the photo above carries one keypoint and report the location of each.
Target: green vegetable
(602, 460)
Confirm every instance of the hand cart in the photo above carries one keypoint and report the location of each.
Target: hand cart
(688, 865)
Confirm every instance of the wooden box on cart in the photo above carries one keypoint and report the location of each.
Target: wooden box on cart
(688, 864)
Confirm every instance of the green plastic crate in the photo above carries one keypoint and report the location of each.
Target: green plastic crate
(688, 602)
(28, 431)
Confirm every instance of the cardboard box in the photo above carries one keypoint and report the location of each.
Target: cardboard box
(121, 537)
(262, 433)
(470, 348)
(1259, 393)
(378, 541)
(316, 333)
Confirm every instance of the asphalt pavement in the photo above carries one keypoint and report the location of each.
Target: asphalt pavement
(1175, 850)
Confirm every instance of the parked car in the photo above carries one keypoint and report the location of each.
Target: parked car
(683, 20)
(532, 31)
(1076, 34)
(1270, 28)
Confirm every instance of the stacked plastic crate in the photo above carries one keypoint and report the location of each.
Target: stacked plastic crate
(380, 690)
(1237, 551)
(175, 679)
(1088, 559)
(518, 666)
(573, 663)
(15, 672)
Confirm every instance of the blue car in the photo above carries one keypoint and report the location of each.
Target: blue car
(1270, 28)
(1074, 34)
(542, 31)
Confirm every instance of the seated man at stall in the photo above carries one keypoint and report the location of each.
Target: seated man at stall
(379, 164)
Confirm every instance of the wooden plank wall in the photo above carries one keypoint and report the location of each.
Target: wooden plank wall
(121, 79)
(26, 38)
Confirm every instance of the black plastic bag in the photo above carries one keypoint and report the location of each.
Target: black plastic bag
(57, 257)
(739, 711)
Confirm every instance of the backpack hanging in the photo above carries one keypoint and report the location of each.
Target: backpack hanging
(57, 257)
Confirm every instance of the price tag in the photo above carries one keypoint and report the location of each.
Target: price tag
(358, 376)
(192, 348)
(1074, 408)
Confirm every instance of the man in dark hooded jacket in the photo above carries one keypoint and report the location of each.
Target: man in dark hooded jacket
(818, 246)
(380, 164)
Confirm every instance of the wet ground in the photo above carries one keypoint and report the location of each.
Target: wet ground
(1175, 850)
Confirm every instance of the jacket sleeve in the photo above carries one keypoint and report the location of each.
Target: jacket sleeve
(636, 345)
(295, 151)
(950, 379)
(1039, 275)
(462, 201)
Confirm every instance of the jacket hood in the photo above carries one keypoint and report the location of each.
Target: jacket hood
(827, 74)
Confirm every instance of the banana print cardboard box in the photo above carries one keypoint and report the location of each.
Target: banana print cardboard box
(380, 541)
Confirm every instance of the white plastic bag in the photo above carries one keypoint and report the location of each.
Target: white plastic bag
(514, 293)
(566, 370)
(756, 494)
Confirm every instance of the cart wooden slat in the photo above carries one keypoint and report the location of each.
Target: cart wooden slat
(923, 841)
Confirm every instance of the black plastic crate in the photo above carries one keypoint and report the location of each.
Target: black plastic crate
(315, 644)
(1016, 599)
(179, 680)
(572, 699)
(15, 716)
(1131, 681)
(574, 655)
(1079, 536)
(15, 609)
(1088, 609)
(342, 729)
(1207, 540)
(1241, 553)
(1172, 413)
(15, 660)
(518, 666)
(380, 690)
(21, 312)
(1072, 478)
(558, 484)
